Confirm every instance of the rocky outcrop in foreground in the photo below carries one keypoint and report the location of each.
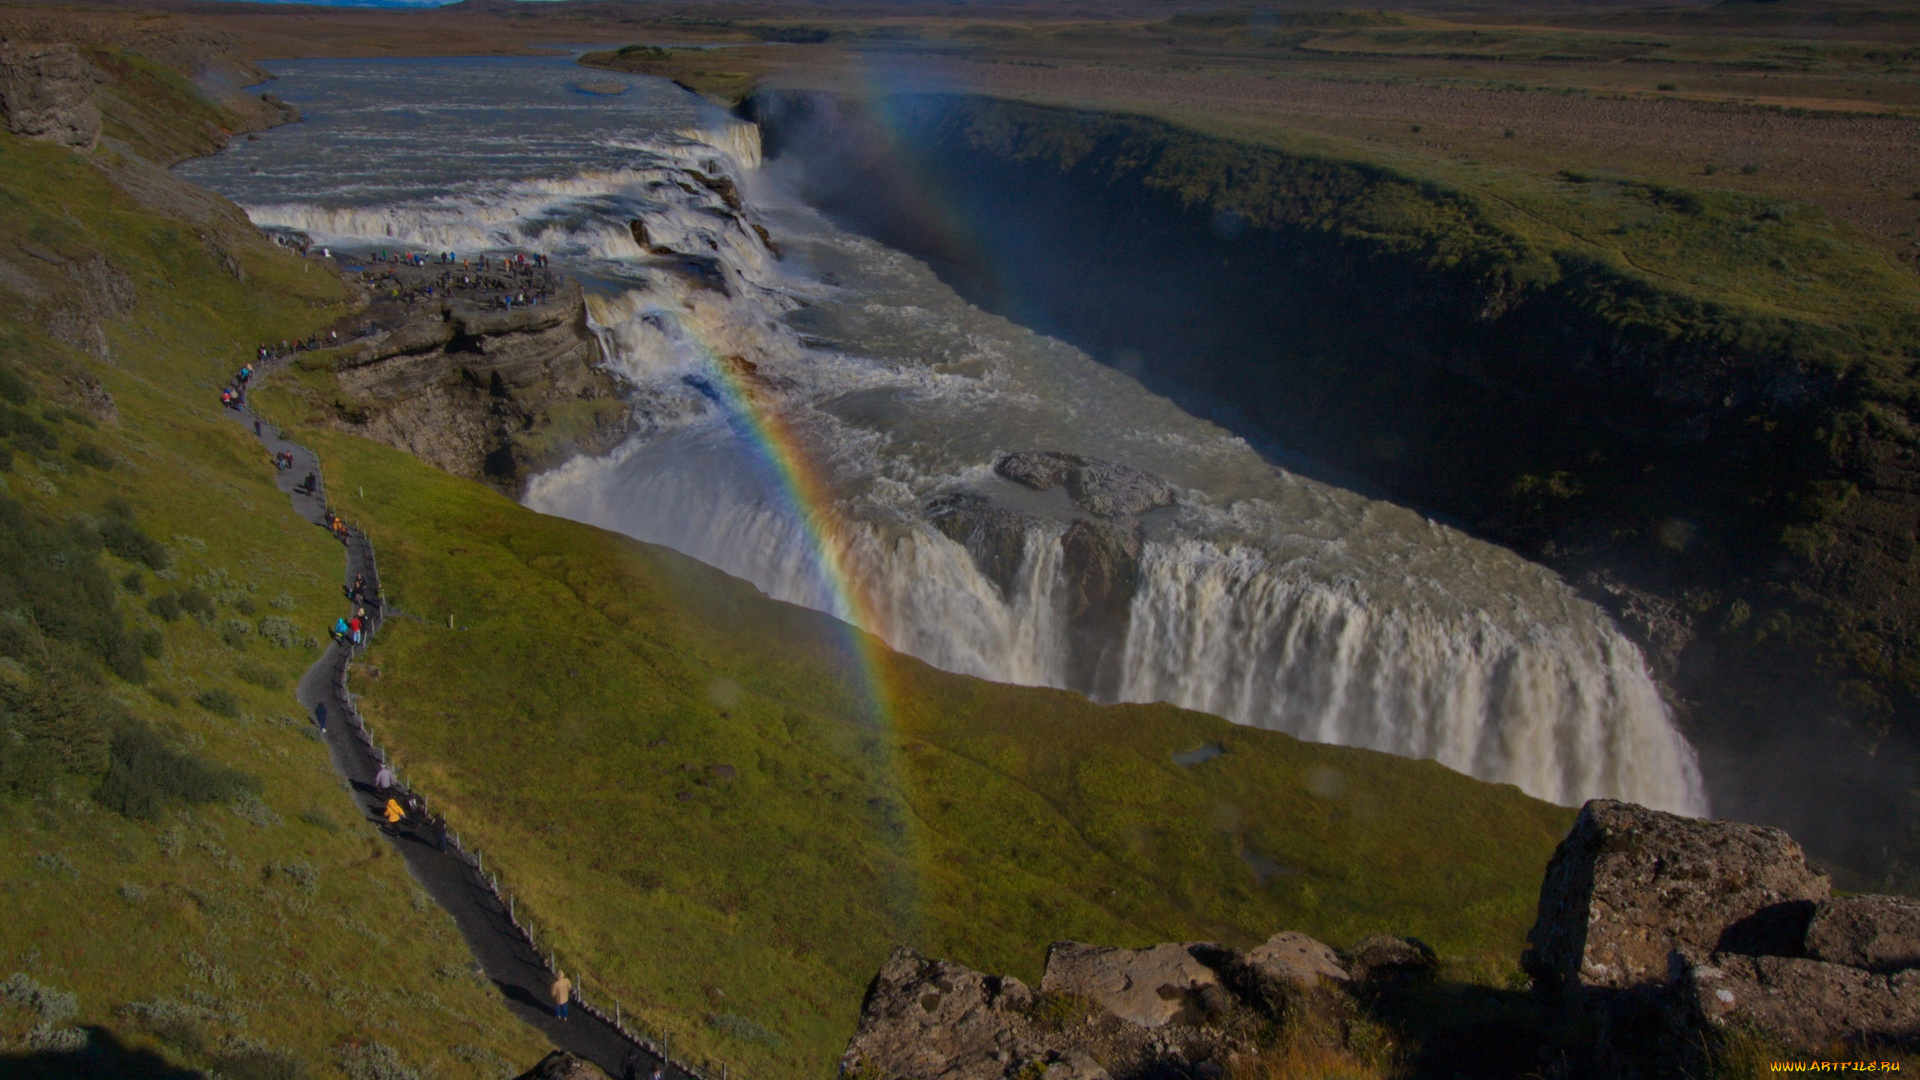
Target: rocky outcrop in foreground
(1102, 1013)
(1672, 932)
(1659, 937)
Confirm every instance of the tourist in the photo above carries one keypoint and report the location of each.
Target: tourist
(384, 778)
(320, 717)
(340, 629)
(393, 814)
(353, 624)
(562, 989)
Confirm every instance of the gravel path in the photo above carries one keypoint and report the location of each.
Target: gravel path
(455, 883)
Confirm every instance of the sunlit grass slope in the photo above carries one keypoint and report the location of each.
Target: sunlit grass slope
(235, 915)
(682, 782)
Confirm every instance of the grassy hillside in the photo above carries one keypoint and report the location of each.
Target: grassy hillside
(684, 784)
(182, 874)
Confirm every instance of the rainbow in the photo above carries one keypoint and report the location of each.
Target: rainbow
(807, 495)
(809, 498)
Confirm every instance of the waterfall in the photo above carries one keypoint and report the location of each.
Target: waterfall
(1316, 612)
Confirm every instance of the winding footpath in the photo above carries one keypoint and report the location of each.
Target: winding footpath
(453, 877)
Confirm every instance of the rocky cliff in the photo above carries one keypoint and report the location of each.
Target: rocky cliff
(483, 392)
(46, 92)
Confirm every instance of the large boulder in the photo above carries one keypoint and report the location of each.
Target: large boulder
(1296, 960)
(1628, 886)
(1873, 933)
(1037, 469)
(1376, 958)
(46, 92)
(928, 1018)
(1808, 1004)
(1151, 987)
(1113, 490)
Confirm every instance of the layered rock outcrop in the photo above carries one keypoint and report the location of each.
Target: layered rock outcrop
(490, 394)
(46, 92)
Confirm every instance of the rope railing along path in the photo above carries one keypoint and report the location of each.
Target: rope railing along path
(497, 934)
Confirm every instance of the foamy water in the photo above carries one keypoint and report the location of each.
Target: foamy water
(1264, 596)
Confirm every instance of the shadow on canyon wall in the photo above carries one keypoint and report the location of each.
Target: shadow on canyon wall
(1517, 410)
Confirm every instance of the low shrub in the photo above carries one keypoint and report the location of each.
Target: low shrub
(50, 574)
(254, 810)
(14, 389)
(743, 1029)
(26, 430)
(260, 675)
(146, 776)
(166, 606)
(373, 1061)
(53, 721)
(196, 603)
(320, 819)
(92, 456)
(241, 1060)
(48, 1009)
(219, 701)
(235, 633)
(278, 631)
(124, 538)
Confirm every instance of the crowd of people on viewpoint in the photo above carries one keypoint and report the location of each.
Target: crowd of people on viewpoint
(500, 281)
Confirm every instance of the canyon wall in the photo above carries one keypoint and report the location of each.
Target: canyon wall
(1736, 487)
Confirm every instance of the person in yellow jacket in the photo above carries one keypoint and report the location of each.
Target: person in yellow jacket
(393, 813)
(562, 990)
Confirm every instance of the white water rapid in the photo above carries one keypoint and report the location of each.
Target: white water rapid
(1263, 596)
